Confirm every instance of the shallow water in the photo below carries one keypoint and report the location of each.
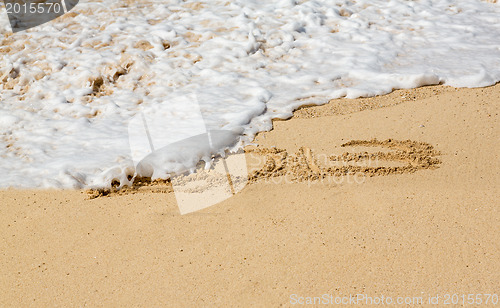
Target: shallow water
(71, 88)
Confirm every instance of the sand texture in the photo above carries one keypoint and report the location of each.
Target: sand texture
(395, 195)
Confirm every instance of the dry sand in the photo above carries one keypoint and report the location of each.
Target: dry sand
(422, 220)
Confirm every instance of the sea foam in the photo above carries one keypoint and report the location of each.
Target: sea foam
(70, 88)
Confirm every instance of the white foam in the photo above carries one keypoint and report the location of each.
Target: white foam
(246, 61)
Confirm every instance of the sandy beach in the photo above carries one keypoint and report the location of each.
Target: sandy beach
(415, 232)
